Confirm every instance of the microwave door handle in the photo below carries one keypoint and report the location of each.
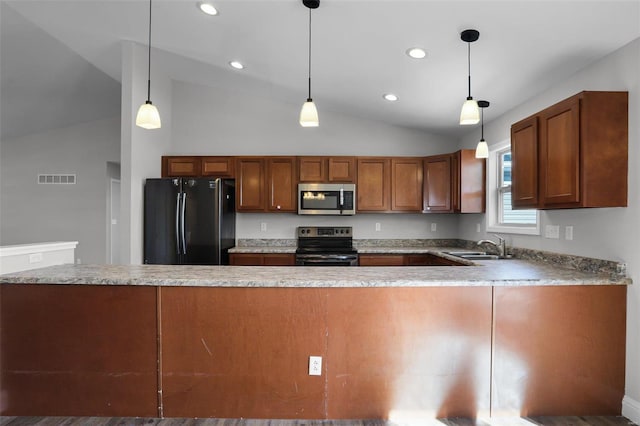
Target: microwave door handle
(341, 200)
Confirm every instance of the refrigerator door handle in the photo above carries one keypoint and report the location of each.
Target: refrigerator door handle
(184, 207)
(178, 223)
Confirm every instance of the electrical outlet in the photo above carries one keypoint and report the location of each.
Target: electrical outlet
(434, 227)
(315, 365)
(552, 231)
(477, 227)
(35, 258)
(377, 226)
(263, 226)
(568, 233)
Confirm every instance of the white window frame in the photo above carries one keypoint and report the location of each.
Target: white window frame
(493, 197)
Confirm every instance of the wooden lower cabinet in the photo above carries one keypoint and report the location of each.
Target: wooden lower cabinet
(439, 351)
(262, 259)
(420, 259)
(381, 260)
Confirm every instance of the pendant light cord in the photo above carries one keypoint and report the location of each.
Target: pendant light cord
(149, 65)
(309, 97)
(469, 67)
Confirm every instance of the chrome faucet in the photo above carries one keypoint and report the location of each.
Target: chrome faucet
(500, 245)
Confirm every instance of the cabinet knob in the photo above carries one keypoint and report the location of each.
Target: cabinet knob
(278, 207)
(428, 208)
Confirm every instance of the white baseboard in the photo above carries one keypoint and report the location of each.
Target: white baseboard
(631, 409)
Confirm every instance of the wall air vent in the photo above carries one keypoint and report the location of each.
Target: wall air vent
(56, 179)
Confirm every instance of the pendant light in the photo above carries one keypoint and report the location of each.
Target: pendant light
(482, 150)
(148, 116)
(309, 112)
(470, 113)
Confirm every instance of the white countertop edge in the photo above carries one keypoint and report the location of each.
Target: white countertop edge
(19, 249)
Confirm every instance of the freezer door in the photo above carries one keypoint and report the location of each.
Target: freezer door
(161, 214)
(201, 221)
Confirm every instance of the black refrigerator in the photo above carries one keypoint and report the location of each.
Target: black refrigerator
(189, 221)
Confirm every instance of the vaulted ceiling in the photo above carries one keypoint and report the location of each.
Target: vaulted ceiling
(60, 60)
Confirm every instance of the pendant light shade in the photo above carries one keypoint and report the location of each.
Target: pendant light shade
(309, 112)
(482, 149)
(470, 113)
(148, 116)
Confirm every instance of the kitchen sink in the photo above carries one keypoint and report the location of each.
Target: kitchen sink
(473, 255)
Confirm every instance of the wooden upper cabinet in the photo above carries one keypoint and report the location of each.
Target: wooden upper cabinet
(560, 153)
(524, 164)
(374, 184)
(327, 169)
(406, 184)
(218, 166)
(468, 180)
(281, 184)
(582, 149)
(181, 166)
(437, 184)
(312, 169)
(342, 169)
(250, 177)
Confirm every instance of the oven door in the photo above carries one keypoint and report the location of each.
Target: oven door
(326, 259)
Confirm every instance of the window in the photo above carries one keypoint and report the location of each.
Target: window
(501, 217)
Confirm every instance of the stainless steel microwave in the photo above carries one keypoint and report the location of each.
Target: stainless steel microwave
(327, 198)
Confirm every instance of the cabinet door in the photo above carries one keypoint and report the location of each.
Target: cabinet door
(437, 184)
(342, 169)
(281, 184)
(560, 153)
(428, 259)
(279, 259)
(406, 184)
(524, 164)
(180, 166)
(374, 184)
(312, 169)
(218, 166)
(250, 192)
(381, 260)
(246, 259)
(469, 182)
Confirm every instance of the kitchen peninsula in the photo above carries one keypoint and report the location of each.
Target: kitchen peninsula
(494, 337)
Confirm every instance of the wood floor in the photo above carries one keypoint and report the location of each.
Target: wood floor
(124, 421)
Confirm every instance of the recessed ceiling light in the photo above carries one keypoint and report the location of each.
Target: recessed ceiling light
(207, 8)
(237, 65)
(416, 53)
(390, 97)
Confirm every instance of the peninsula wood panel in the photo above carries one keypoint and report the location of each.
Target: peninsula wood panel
(397, 352)
(78, 350)
(242, 352)
(559, 350)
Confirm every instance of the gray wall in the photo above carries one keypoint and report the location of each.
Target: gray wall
(31, 213)
(604, 233)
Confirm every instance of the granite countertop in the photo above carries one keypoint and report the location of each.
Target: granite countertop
(508, 272)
